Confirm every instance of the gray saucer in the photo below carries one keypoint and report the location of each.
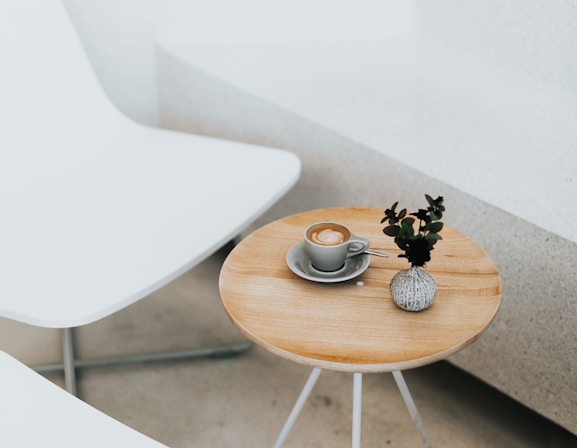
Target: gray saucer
(298, 261)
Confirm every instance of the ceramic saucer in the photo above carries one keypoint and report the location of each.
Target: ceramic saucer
(298, 261)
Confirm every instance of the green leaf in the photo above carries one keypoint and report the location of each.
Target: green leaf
(422, 214)
(408, 222)
(406, 230)
(391, 230)
(432, 239)
(435, 227)
(401, 243)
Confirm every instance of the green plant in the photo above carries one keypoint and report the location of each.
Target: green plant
(417, 247)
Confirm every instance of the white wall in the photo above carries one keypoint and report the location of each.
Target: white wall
(119, 38)
(537, 38)
(119, 35)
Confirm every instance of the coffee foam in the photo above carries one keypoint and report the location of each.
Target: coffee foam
(328, 234)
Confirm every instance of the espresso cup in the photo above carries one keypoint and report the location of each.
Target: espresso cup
(329, 244)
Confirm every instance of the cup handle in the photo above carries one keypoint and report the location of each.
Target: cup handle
(357, 246)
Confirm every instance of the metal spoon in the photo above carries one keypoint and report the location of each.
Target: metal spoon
(377, 254)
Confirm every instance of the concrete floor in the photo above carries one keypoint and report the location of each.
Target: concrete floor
(244, 401)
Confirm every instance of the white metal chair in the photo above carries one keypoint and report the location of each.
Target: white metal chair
(36, 412)
(97, 210)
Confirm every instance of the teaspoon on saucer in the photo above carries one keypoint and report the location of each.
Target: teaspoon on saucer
(375, 253)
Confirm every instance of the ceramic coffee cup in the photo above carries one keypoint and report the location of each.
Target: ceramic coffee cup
(329, 244)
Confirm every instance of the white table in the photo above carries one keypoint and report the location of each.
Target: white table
(98, 211)
(36, 412)
(85, 234)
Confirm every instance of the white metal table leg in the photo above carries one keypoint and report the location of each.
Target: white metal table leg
(68, 356)
(357, 408)
(314, 376)
(402, 385)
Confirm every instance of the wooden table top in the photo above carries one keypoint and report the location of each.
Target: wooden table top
(354, 326)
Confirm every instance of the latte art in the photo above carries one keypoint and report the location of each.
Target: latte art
(328, 237)
(328, 234)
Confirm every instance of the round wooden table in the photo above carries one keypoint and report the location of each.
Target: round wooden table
(354, 326)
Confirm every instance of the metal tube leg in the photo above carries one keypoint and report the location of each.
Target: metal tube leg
(314, 376)
(402, 385)
(357, 407)
(68, 354)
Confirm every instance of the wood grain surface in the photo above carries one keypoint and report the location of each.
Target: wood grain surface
(354, 326)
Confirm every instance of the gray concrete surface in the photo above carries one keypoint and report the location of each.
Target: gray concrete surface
(243, 401)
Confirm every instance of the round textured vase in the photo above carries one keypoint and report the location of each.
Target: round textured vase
(413, 289)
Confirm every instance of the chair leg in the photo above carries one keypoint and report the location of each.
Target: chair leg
(302, 399)
(402, 385)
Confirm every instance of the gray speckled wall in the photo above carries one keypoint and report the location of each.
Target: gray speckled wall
(528, 352)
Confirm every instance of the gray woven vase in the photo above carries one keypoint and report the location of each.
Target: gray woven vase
(413, 289)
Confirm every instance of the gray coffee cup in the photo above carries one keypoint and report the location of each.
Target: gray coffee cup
(329, 244)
